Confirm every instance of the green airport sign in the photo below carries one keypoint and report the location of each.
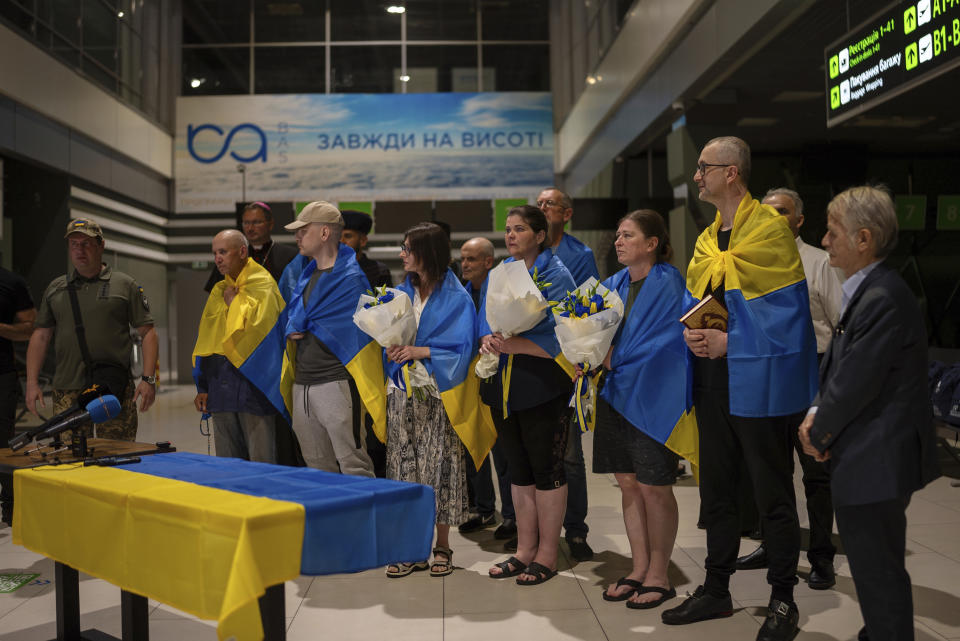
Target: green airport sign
(902, 46)
(948, 212)
(911, 212)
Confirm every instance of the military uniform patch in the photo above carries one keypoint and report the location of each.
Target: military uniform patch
(143, 299)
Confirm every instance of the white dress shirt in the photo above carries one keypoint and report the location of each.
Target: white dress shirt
(823, 282)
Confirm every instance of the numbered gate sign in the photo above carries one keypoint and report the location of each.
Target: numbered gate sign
(948, 212)
(911, 212)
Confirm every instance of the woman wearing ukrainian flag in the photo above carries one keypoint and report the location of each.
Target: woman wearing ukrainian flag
(533, 420)
(428, 424)
(644, 413)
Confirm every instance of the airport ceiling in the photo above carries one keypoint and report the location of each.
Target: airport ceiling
(776, 99)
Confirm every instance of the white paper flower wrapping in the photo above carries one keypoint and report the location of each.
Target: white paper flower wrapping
(390, 323)
(586, 340)
(514, 304)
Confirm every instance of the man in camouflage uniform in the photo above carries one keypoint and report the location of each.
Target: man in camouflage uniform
(110, 303)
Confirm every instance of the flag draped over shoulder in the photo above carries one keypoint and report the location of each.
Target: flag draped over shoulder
(246, 332)
(549, 269)
(448, 327)
(578, 259)
(328, 315)
(771, 349)
(650, 383)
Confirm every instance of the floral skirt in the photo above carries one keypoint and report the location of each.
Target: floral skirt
(422, 447)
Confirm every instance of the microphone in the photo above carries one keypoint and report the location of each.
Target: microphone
(98, 410)
(83, 399)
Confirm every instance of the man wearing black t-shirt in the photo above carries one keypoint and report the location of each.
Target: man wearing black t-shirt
(16, 324)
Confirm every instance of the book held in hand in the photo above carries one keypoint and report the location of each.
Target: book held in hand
(709, 313)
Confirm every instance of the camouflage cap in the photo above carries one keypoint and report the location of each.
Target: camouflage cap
(84, 226)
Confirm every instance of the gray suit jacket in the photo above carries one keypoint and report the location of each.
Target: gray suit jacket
(874, 413)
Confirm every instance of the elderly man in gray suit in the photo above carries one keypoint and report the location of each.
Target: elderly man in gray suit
(871, 419)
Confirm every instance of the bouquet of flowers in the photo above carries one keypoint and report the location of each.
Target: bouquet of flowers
(514, 304)
(587, 320)
(386, 315)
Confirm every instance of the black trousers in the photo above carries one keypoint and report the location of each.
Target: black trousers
(9, 394)
(874, 538)
(816, 488)
(765, 446)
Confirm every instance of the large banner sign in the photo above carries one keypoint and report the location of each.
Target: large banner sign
(335, 147)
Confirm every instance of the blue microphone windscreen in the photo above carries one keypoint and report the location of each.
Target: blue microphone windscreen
(103, 408)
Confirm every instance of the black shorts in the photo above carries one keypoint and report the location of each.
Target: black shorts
(621, 448)
(535, 441)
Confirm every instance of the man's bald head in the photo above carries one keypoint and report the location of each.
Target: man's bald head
(476, 259)
(733, 151)
(230, 250)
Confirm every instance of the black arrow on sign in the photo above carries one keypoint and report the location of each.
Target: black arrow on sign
(912, 56)
(910, 20)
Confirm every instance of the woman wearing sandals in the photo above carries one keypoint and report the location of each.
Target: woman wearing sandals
(534, 433)
(645, 392)
(422, 446)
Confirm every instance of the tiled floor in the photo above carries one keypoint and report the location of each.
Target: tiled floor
(469, 606)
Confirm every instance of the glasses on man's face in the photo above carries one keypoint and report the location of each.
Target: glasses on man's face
(547, 203)
(253, 223)
(702, 166)
(404, 249)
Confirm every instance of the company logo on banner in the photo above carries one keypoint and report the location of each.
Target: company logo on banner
(443, 146)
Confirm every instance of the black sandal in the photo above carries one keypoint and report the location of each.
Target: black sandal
(511, 567)
(444, 567)
(665, 595)
(634, 585)
(541, 572)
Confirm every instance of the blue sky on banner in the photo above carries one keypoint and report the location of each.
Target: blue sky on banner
(361, 146)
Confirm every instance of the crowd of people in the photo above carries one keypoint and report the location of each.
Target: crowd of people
(287, 375)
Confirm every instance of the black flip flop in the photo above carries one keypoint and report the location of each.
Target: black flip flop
(542, 572)
(506, 570)
(664, 593)
(635, 585)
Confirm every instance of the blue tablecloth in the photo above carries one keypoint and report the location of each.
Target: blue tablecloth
(352, 523)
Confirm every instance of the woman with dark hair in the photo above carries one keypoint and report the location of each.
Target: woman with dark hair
(423, 437)
(529, 398)
(645, 395)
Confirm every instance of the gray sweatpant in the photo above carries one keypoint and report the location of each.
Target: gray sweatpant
(330, 438)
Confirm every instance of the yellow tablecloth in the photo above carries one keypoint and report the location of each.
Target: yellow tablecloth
(206, 551)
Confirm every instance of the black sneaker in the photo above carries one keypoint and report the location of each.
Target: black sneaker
(781, 622)
(511, 545)
(507, 530)
(698, 606)
(477, 522)
(579, 548)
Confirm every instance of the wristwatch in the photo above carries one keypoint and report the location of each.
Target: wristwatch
(149, 379)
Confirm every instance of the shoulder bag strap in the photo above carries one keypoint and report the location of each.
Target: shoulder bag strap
(81, 335)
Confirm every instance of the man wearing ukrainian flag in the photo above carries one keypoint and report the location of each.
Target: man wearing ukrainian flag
(238, 354)
(331, 369)
(747, 381)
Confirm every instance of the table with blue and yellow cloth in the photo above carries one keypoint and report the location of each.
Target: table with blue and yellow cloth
(208, 535)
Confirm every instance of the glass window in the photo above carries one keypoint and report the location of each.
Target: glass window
(441, 19)
(96, 72)
(364, 20)
(289, 70)
(131, 50)
(216, 21)
(363, 69)
(63, 16)
(288, 21)
(100, 34)
(510, 20)
(18, 16)
(211, 71)
(518, 67)
(451, 68)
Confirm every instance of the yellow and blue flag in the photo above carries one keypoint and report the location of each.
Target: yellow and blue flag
(650, 383)
(578, 259)
(328, 315)
(771, 348)
(448, 327)
(246, 331)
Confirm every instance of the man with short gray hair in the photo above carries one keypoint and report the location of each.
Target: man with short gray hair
(871, 420)
(240, 312)
(326, 400)
(823, 283)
